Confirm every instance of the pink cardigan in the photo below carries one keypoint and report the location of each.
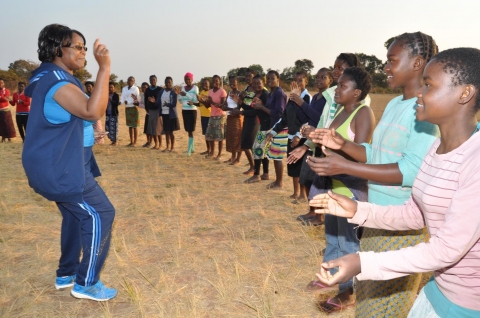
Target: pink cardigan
(445, 198)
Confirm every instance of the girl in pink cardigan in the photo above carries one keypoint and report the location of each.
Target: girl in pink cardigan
(445, 198)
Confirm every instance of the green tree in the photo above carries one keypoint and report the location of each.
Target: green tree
(82, 74)
(23, 69)
(305, 65)
(288, 74)
(11, 79)
(374, 66)
(257, 68)
(113, 78)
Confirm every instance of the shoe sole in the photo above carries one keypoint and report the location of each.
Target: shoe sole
(84, 296)
(58, 287)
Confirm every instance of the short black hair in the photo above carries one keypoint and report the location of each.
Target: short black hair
(249, 70)
(152, 76)
(361, 78)
(19, 83)
(350, 58)
(216, 76)
(274, 72)
(418, 43)
(463, 64)
(303, 73)
(52, 38)
(111, 83)
(232, 78)
(145, 83)
(89, 83)
(168, 78)
(329, 72)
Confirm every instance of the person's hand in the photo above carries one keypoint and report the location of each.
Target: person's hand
(268, 138)
(294, 89)
(242, 94)
(296, 154)
(134, 97)
(295, 141)
(190, 103)
(296, 99)
(235, 98)
(332, 164)
(305, 130)
(125, 102)
(151, 99)
(101, 54)
(19, 101)
(334, 204)
(327, 137)
(348, 267)
(257, 103)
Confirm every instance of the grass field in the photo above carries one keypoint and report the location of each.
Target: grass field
(189, 239)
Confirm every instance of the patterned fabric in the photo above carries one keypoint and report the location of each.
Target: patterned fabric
(234, 133)
(216, 128)
(391, 298)
(7, 130)
(131, 114)
(111, 126)
(260, 145)
(278, 146)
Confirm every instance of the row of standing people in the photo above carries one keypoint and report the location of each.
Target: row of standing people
(22, 104)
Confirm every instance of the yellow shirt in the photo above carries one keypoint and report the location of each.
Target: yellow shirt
(204, 111)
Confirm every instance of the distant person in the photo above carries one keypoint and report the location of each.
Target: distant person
(187, 96)
(275, 107)
(390, 164)
(7, 130)
(205, 110)
(58, 158)
(216, 125)
(444, 199)
(234, 123)
(293, 122)
(155, 123)
(130, 95)
(89, 88)
(259, 149)
(167, 102)
(99, 133)
(111, 114)
(23, 109)
(250, 122)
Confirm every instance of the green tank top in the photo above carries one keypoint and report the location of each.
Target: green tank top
(338, 186)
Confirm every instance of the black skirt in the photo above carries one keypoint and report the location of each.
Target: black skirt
(306, 174)
(170, 124)
(189, 119)
(249, 132)
(295, 168)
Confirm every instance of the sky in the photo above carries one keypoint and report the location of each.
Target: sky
(170, 38)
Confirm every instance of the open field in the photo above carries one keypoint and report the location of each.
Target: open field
(189, 239)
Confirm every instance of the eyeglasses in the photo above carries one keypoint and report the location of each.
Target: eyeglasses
(77, 47)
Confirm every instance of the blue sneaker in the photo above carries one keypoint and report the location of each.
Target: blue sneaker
(97, 292)
(64, 282)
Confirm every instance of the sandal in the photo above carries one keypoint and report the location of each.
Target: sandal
(249, 172)
(315, 285)
(329, 307)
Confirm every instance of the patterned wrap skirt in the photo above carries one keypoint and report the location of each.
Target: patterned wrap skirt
(111, 126)
(278, 146)
(216, 128)
(7, 130)
(391, 298)
(260, 145)
(234, 133)
(132, 117)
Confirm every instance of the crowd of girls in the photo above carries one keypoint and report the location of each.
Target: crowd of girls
(380, 187)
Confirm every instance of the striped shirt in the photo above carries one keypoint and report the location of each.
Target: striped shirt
(445, 198)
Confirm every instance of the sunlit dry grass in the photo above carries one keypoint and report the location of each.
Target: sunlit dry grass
(189, 239)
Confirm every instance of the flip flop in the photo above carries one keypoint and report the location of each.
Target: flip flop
(315, 285)
(333, 307)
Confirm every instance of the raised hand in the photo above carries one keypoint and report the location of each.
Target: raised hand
(327, 137)
(334, 204)
(294, 89)
(101, 54)
(348, 266)
(332, 164)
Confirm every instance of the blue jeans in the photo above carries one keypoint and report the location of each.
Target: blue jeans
(341, 240)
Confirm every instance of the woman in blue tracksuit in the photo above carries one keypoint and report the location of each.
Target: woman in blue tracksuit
(58, 158)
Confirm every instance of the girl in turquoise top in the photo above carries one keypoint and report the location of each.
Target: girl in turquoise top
(390, 163)
(188, 97)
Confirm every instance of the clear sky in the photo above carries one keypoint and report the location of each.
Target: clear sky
(170, 38)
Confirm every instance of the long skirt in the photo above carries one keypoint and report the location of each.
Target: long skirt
(260, 145)
(394, 297)
(278, 146)
(132, 117)
(216, 128)
(111, 126)
(249, 132)
(7, 130)
(234, 133)
(189, 119)
(155, 123)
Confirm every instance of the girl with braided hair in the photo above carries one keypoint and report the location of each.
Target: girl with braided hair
(390, 164)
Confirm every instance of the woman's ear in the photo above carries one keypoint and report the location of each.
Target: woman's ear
(468, 93)
(419, 63)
